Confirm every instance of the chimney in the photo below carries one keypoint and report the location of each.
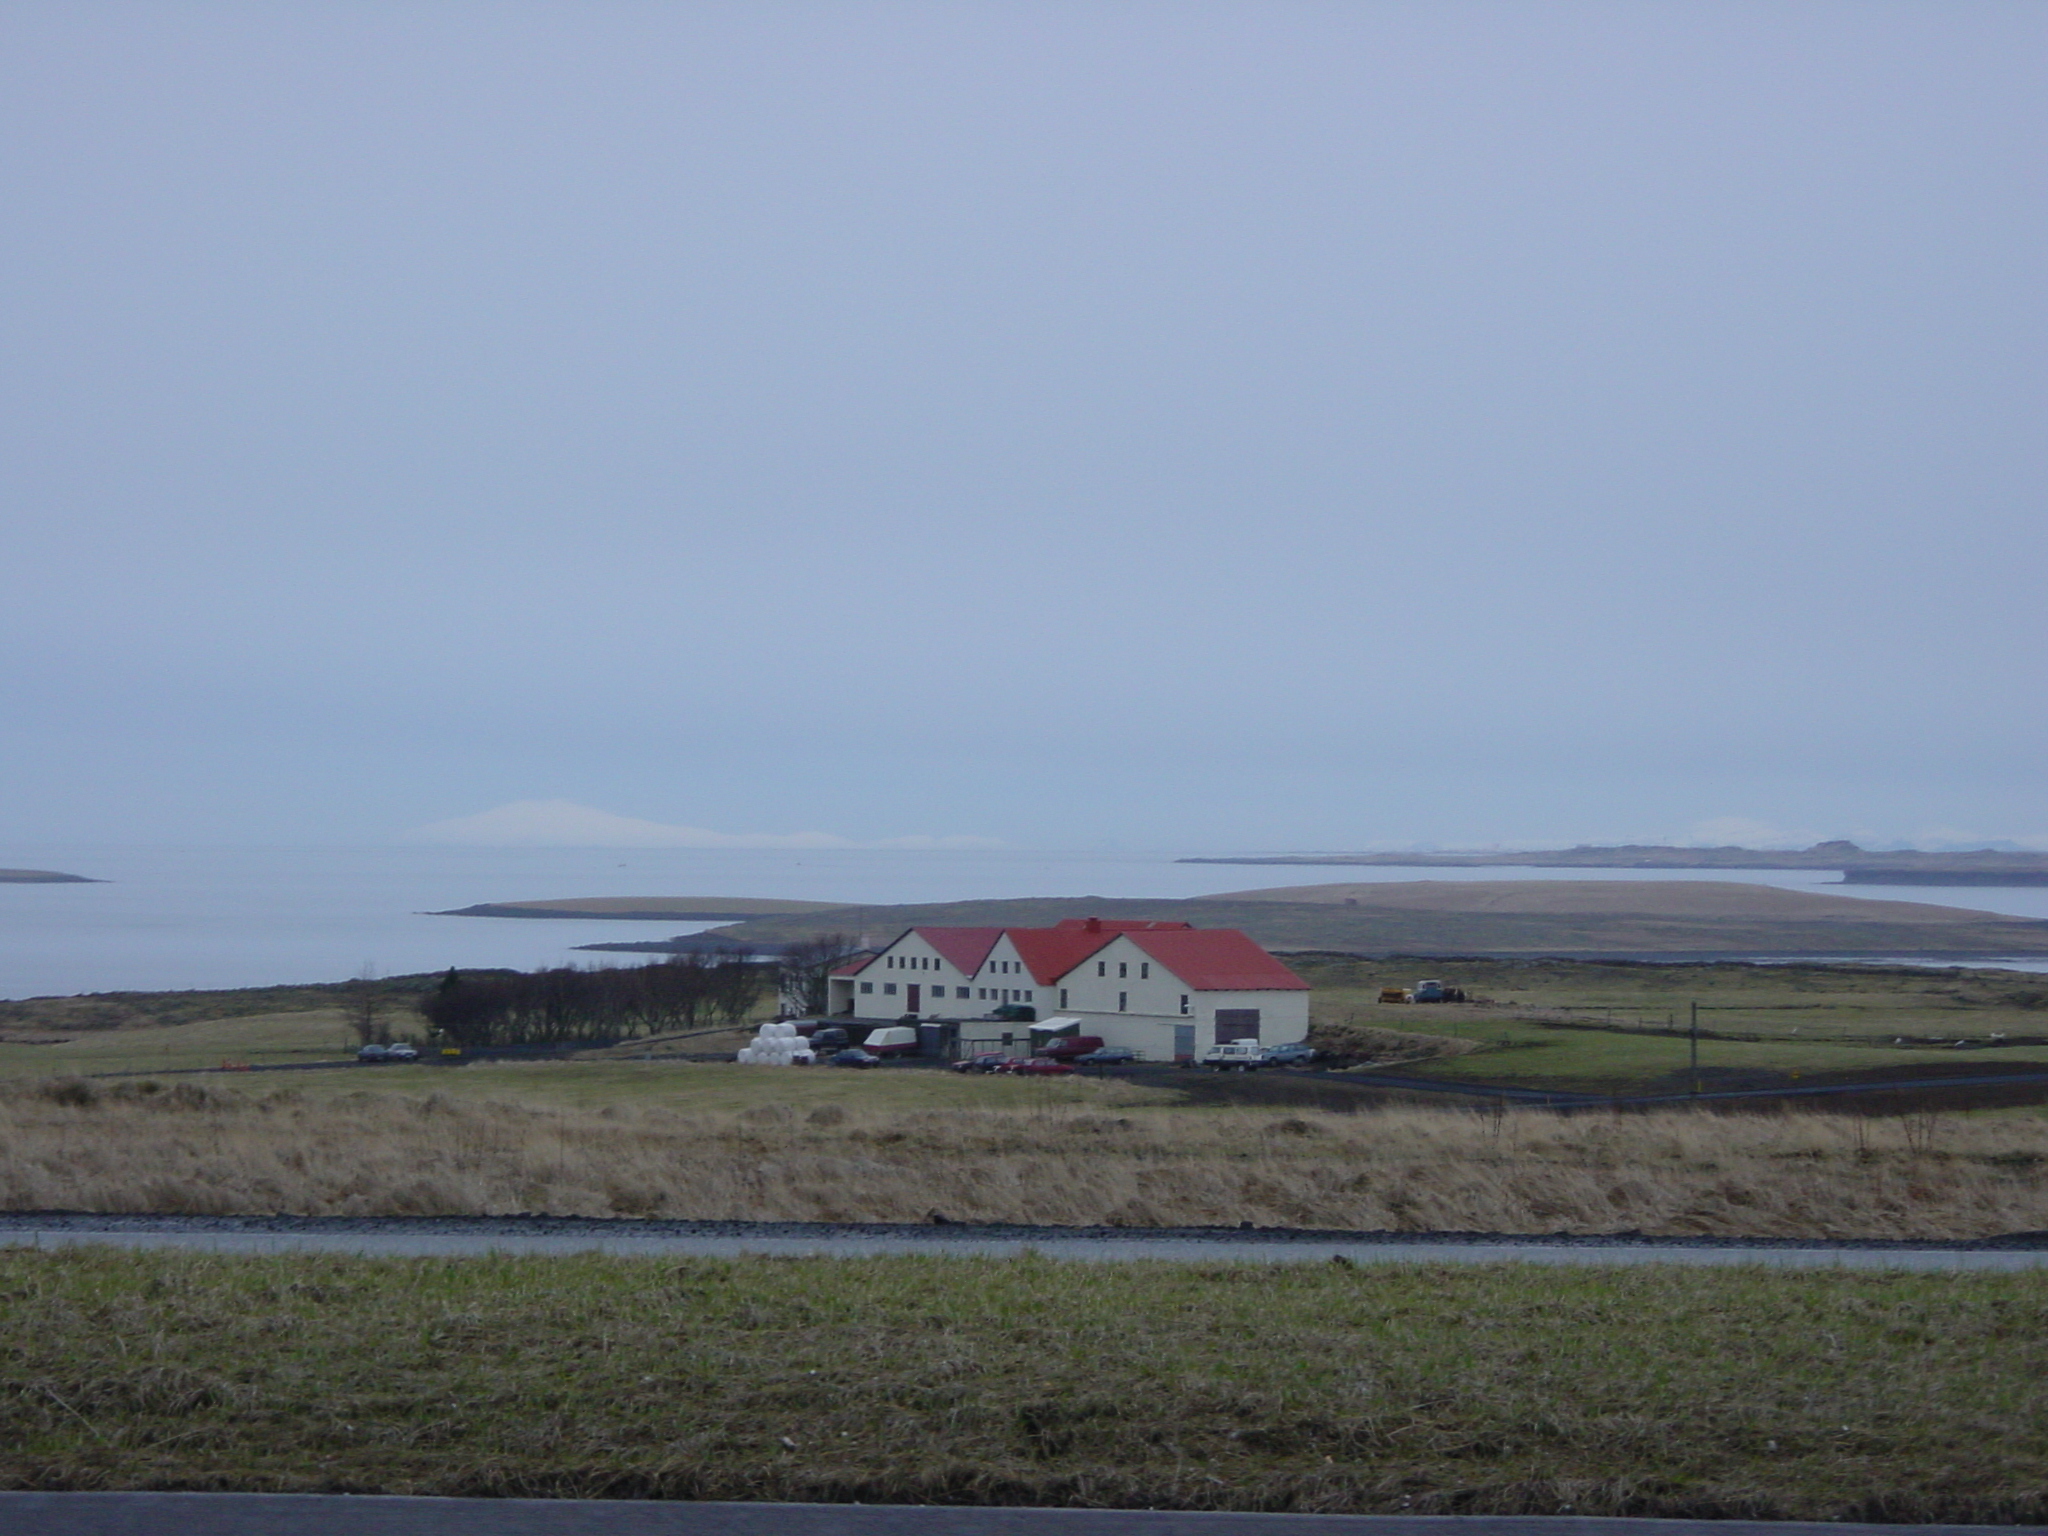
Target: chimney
(1095, 925)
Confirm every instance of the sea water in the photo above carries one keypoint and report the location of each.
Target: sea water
(168, 918)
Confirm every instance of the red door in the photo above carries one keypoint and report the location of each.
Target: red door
(913, 989)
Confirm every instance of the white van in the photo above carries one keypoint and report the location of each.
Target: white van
(1235, 1055)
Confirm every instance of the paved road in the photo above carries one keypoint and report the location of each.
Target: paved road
(457, 1237)
(255, 1514)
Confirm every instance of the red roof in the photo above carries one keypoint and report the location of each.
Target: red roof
(1207, 959)
(855, 966)
(1049, 953)
(966, 948)
(1218, 960)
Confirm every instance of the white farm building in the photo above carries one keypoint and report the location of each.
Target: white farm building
(1163, 989)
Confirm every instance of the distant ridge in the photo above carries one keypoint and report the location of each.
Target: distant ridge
(1859, 866)
(1641, 919)
(652, 909)
(44, 877)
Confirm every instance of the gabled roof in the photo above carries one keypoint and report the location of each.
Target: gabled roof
(965, 948)
(855, 966)
(1205, 959)
(1049, 953)
(1217, 960)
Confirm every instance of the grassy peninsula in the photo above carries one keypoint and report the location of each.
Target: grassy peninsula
(1641, 919)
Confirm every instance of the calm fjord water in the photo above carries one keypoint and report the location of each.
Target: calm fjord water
(245, 917)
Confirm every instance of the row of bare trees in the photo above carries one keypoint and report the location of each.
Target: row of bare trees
(567, 1006)
(803, 972)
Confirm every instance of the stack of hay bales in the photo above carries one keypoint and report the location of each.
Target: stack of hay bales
(777, 1045)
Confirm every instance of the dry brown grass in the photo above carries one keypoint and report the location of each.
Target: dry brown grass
(191, 1149)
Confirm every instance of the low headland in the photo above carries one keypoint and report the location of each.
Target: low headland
(1859, 866)
(671, 909)
(1620, 919)
(44, 877)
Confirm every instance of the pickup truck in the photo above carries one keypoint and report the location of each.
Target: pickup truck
(1235, 1056)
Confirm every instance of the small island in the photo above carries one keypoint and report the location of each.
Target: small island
(44, 877)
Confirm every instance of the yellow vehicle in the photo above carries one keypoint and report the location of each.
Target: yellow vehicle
(1395, 995)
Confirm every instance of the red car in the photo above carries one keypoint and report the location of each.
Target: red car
(1039, 1066)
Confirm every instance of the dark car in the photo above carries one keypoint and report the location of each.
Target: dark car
(1040, 1066)
(1106, 1056)
(982, 1061)
(854, 1056)
(1069, 1047)
(827, 1037)
(1298, 1054)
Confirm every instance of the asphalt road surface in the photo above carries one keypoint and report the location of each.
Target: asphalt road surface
(267, 1514)
(465, 1236)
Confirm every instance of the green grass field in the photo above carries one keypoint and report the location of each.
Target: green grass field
(1516, 1389)
(1804, 1019)
(1543, 1022)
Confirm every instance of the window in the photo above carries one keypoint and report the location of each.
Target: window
(959, 991)
(1123, 1001)
(889, 988)
(1102, 967)
(1184, 1003)
(1122, 970)
(1063, 997)
(1145, 970)
(867, 986)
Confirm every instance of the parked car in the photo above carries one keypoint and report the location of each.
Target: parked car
(854, 1056)
(1107, 1056)
(1039, 1066)
(401, 1052)
(1296, 1053)
(982, 1061)
(1235, 1056)
(374, 1052)
(1067, 1047)
(827, 1037)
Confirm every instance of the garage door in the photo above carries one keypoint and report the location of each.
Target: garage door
(1236, 1024)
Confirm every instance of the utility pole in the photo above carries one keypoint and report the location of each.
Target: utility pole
(1695, 1042)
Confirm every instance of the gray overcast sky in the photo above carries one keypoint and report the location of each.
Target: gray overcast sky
(1181, 425)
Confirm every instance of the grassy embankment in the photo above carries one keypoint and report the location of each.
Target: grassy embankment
(740, 1143)
(1511, 1390)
